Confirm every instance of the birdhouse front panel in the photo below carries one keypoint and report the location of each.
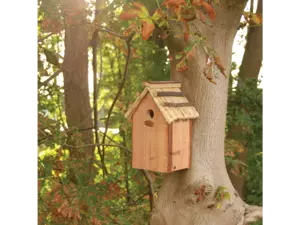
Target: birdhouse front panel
(149, 137)
(162, 128)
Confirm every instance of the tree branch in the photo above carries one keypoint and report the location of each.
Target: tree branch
(151, 189)
(145, 172)
(51, 77)
(104, 29)
(128, 42)
(93, 145)
(43, 38)
(96, 91)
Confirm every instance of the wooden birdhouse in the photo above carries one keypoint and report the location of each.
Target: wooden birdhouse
(161, 128)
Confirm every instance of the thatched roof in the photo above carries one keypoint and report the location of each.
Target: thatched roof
(169, 99)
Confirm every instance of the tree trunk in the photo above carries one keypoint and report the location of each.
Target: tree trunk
(249, 69)
(252, 59)
(75, 72)
(176, 203)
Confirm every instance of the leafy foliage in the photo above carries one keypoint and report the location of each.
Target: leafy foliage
(184, 12)
(245, 110)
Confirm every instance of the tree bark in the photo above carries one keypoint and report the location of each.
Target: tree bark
(249, 69)
(75, 73)
(176, 203)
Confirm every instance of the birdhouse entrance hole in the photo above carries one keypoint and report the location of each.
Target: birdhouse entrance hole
(150, 113)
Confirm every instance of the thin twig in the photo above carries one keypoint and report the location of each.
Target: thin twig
(60, 111)
(151, 189)
(44, 83)
(128, 42)
(94, 48)
(145, 172)
(112, 140)
(93, 145)
(43, 38)
(104, 29)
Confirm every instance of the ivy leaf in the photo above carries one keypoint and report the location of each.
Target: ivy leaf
(147, 29)
(51, 57)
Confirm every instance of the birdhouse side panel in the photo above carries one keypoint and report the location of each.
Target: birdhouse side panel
(149, 137)
(181, 144)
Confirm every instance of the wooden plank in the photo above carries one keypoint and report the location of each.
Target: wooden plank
(174, 104)
(162, 82)
(166, 84)
(150, 143)
(181, 142)
(169, 94)
(170, 140)
(190, 145)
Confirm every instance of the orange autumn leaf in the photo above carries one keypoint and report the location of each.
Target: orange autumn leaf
(128, 15)
(257, 18)
(209, 9)
(138, 5)
(186, 32)
(182, 66)
(197, 2)
(169, 3)
(186, 36)
(191, 53)
(147, 29)
(132, 28)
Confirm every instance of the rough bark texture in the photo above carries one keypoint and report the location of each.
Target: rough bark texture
(249, 69)
(176, 203)
(75, 72)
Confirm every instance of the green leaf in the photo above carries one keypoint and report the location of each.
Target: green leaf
(51, 57)
(227, 195)
(190, 47)
(178, 56)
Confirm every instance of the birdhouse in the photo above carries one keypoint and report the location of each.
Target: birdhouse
(161, 128)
